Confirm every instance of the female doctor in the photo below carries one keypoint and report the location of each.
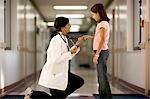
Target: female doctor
(56, 73)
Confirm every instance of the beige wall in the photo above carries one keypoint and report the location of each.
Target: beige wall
(129, 64)
(1, 43)
(2, 21)
(20, 61)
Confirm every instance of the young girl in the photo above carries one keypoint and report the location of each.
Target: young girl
(100, 47)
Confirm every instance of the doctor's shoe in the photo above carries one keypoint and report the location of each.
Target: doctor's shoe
(28, 93)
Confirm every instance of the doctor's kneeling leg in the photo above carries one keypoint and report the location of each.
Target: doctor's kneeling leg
(74, 82)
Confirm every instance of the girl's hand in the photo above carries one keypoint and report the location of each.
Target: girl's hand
(95, 59)
(83, 38)
(87, 37)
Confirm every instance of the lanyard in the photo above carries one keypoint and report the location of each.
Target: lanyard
(67, 48)
(64, 41)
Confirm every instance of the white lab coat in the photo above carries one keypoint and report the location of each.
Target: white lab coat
(54, 74)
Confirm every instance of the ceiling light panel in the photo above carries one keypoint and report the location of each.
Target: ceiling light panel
(74, 28)
(70, 7)
(75, 21)
(71, 15)
(50, 24)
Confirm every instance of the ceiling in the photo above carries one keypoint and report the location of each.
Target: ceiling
(45, 8)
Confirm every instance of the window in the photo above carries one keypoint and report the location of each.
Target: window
(7, 23)
(137, 29)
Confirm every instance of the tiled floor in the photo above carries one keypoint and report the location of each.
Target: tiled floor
(88, 89)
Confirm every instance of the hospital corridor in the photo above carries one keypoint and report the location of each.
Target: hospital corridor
(45, 43)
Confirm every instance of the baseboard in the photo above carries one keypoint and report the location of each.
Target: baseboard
(130, 86)
(24, 83)
(133, 87)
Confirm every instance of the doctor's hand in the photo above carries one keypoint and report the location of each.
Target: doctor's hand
(73, 49)
(83, 38)
(80, 41)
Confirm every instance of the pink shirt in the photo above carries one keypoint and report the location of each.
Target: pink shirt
(97, 36)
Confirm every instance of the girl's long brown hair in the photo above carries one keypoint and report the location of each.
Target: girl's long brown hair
(101, 11)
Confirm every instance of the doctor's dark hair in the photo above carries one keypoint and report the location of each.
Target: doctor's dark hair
(99, 8)
(60, 22)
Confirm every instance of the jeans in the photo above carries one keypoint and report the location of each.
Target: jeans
(104, 87)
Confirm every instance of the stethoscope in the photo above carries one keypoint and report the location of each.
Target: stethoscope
(66, 41)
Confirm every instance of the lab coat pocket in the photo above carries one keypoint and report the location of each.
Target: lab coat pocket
(57, 75)
(58, 78)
